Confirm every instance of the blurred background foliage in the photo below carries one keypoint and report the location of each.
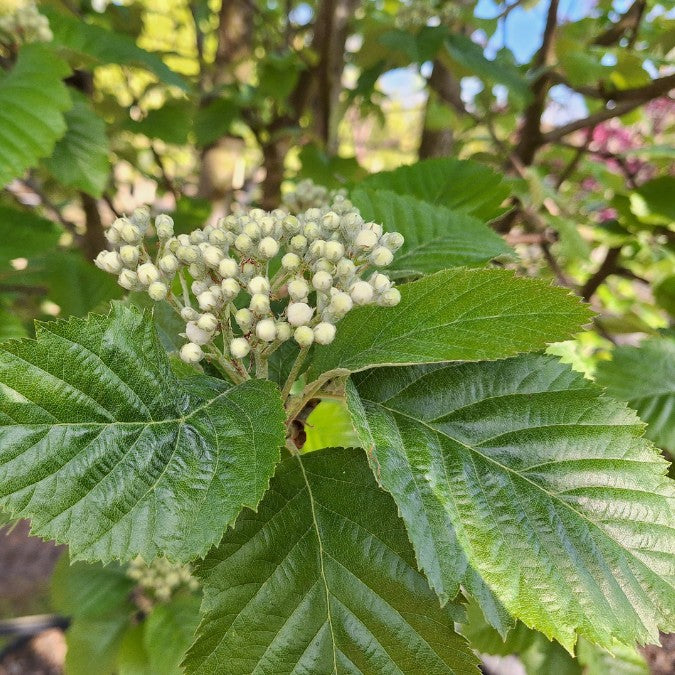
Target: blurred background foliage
(548, 120)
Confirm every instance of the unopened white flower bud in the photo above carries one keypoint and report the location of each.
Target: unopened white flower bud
(298, 288)
(340, 303)
(266, 225)
(311, 231)
(128, 279)
(284, 331)
(207, 301)
(324, 333)
(313, 213)
(366, 240)
(218, 238)
(212, 255)
(157, 290)
(291, 224)
(252, 230)
(390, 298)
(230, 289)
(381, 256)
(113, 236)
(374, 227)
(317, 248)
(239, 347)
(304, 336)
(260, 303)
(334, 250)
(345, 268)
(243, 243)
(141, 218)
(196, 334)
(228, 268)
(259, 284)
(393, 240)
(268, 248)
(299, 313)
(197, 237)
(191, 353)
(187, 254)
(189, 314)
(361, 293)
(380, 282)
(322, 281)
(298, 243)
(129, 255)
(164, 226)
(331, 221)
(200, 285)
(168, 263)
(291, 262)
(324, 265)
(266, 330)
(244, 318)
(147, 273)
(207, 322)
(130, 233)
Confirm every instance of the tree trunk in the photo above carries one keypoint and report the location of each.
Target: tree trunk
(445, 87)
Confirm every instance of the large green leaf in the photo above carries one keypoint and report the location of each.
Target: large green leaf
(436, 238)
(101, 46)
(322, 579)
(80, 158)
(24, 234)
(171, 123)
(461, 185)
(33, 99)
(107, 450)
(546, 483)
(645, 377)
(454, 315)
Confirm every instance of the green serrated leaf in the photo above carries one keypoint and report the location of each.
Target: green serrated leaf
(436, 238)
(102, 46)
(460, 185)
(454, 315)
(322, 579)
(107, 450)
(644, 376)
(546, 483)
(80, 158)
(33, 99)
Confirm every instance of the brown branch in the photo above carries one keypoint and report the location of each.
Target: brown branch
(530, 132)
(592, 120)
(656, 88)
(608, 267)
(629, 21)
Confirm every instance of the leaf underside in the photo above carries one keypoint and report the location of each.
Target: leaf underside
(559, 503)
(322, 579)
(107, 450)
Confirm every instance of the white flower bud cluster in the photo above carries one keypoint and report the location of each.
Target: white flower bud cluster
(307, 195)
(326, 260)
(21, 23)
(161, 578)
